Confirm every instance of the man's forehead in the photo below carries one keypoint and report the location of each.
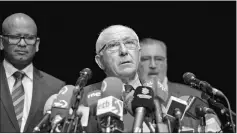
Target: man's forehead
(152, 49)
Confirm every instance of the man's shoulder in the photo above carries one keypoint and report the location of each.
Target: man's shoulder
(51, 79)
(182, 89)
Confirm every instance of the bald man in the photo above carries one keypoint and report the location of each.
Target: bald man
(24, 89)
(118, 55)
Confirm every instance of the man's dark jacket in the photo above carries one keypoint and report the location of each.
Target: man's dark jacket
(44, 85)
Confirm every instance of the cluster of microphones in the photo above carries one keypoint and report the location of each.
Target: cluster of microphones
(64, 113)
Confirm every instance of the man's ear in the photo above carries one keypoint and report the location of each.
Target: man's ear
(98, 61)
(37, 44)
(1, 42)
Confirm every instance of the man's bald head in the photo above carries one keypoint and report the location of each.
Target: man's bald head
(18, 22)
(114, 32)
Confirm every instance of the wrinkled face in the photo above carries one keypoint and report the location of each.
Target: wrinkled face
(23, 51)
(121, 53)
(153, 62)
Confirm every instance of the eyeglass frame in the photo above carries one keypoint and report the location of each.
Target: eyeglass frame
(21, 37)
(107, 44)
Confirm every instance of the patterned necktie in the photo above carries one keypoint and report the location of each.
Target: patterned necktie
(18, 95)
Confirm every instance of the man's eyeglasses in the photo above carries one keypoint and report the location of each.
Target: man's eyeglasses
(15, 39)
(114, 46)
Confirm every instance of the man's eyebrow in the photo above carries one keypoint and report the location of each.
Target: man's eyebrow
(145, 56)
(160, 56)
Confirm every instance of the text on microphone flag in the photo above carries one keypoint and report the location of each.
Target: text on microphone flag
(110, 105)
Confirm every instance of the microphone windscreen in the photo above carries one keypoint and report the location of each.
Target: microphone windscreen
(87, 71)
(112, 86)
(143, 97)
(62, 103)
(49, 103)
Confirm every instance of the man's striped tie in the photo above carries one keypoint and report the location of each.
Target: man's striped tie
(18, 95)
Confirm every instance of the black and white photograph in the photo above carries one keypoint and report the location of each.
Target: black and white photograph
(58, 59)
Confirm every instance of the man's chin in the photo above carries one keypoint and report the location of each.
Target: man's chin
(127, 72)
(21, 60)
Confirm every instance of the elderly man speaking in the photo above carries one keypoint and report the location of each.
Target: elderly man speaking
(118, 54)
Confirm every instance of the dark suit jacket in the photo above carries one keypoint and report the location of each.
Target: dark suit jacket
(175, 89)
(44, 85)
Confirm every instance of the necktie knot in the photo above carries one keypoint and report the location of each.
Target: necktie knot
(128, 88)
(19, 75)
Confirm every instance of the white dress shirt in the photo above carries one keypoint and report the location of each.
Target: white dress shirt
(27, 84)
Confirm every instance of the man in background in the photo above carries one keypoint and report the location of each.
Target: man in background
(153, 63)
(24, 89)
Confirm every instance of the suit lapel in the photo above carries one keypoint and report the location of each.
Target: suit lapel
(6, 98)
(36, 96)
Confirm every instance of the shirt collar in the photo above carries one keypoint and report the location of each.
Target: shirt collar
(10, 69)
(136, 82)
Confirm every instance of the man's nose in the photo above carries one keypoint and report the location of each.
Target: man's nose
(152, 64)
(123, 50)
(22, 42)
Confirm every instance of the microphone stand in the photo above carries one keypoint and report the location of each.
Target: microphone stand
(74, 108)
(167, 120)
(107, 130)
(203, 123)
(177, 114)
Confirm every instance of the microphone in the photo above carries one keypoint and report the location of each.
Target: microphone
(47, 113)
(201, 111)
(190, 78)
(142, 105)
(160, 95)
(178, 115)
(85, 75)
(61, 105)
(128, 107)
(194, 103)
(204, 110)
(110, 107)
(198, 109)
